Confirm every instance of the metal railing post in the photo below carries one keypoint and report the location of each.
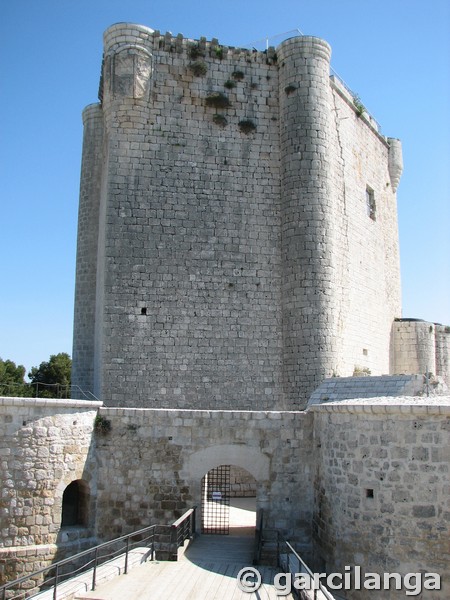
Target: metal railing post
(181, 526)
(278, 550)
(56, 581)
(173, 543)
(94, 571)
(126, 556)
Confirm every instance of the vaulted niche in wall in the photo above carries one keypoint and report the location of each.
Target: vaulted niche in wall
(75, 503)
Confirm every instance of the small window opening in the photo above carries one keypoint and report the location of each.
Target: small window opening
(144, 310)
(75, 504)
(369, 493)
(365, 352)
(370, 201)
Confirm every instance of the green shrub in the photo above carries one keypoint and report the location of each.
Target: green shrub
(199, 68)
(247, 126)
(217, 100)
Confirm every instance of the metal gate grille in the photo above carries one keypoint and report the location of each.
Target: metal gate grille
(216, 501)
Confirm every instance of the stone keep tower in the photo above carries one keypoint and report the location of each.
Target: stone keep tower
(237, 236)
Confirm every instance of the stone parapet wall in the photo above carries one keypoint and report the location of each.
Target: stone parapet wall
(172, 450)
(45, 445)
(382, 488)
(362, 481)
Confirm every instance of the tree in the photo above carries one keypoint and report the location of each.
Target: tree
(52, 379)
(12, 382)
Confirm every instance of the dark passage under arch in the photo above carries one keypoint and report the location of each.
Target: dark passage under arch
(75, 504)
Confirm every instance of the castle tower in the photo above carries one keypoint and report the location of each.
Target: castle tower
(125, 89)
(308, 297)
(420, 347)
(227, 253)
(87, 248)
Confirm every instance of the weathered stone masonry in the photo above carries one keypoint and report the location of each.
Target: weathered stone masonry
(352, 482)
(146, 470)
(233, 266)
(237, 249)
(45, 445)
(174, 449)
(382, 488)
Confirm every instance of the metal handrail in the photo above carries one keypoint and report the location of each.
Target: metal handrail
(185, 524)
(62, 391)
(182, 529)
(258, 539)
(354, 95)
(321, 588)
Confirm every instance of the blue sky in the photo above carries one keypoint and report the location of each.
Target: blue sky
(395, 54)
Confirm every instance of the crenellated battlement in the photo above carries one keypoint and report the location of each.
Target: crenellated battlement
(122, 34)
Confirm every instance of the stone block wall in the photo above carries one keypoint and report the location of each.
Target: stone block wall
(382, 488)
(354, 482)
(151, 464)
(366, 275)
(236, 263)
(242, 483)
(45, 445)
(420, 347)
(189, 314)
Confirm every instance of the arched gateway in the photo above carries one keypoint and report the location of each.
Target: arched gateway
(209, 470)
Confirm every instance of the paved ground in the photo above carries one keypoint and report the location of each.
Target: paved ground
(243, 512)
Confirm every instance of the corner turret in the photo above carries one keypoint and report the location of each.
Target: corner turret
(87, 247)
(307, 253)
(395, 162)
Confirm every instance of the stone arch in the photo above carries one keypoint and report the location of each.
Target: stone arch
(250, 459)
(75, 504)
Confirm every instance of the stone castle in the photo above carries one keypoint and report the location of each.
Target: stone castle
(237, 280)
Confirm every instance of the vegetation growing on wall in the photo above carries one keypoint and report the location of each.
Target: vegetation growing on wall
(194, 51)
(199, 68)
(360, 108)
(102, 425)
(217, 100)
(220, 120)
(361, 371)
(238, 75)
(247, 126)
